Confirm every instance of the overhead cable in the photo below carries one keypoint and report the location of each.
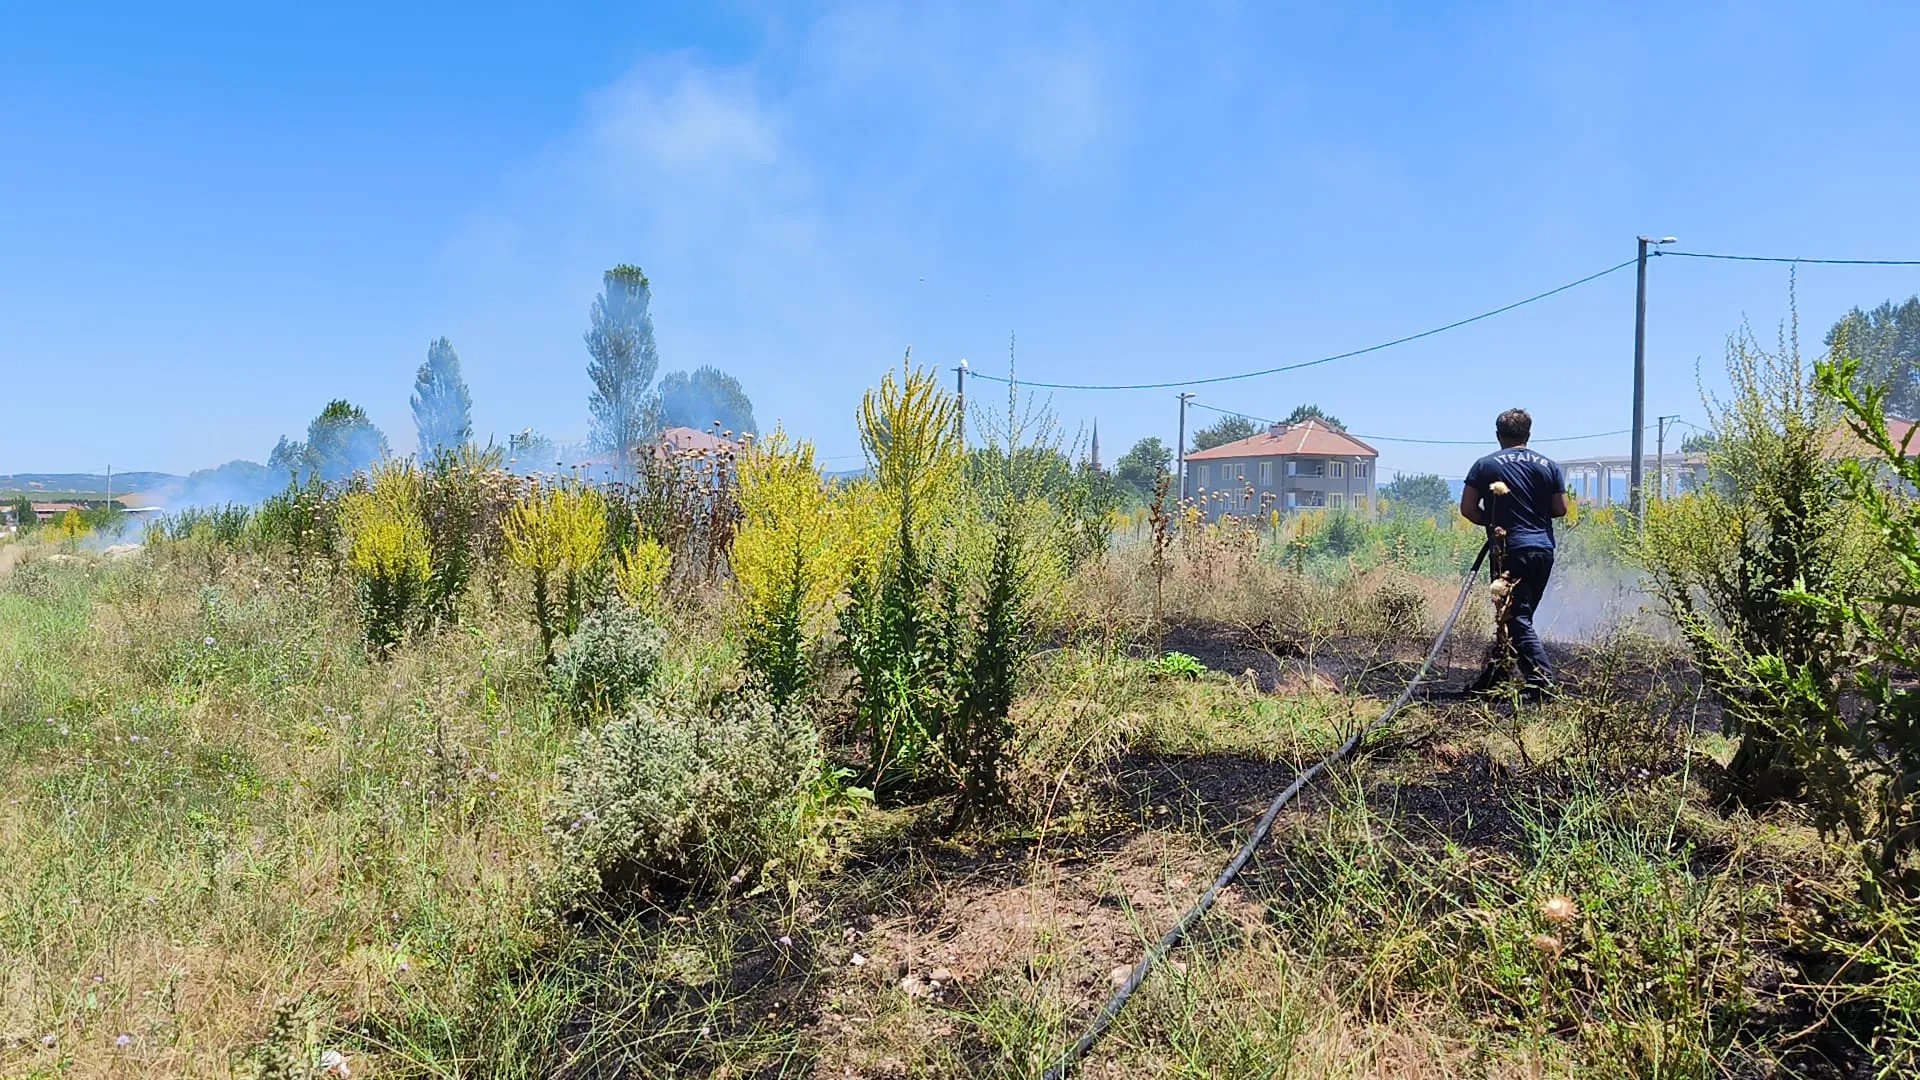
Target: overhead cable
(1424, 442)
(1784, 259)
(1309, 363)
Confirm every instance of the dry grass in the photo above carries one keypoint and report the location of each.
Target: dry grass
(215, 802)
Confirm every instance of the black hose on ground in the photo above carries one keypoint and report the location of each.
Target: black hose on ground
(1111, 1010)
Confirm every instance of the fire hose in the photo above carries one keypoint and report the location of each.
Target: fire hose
(1111, 1010)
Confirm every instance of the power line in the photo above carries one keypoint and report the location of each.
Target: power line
(1425, 442)
(1786, 259)
(1311, 363)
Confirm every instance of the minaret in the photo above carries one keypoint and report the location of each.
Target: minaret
(1096, 445)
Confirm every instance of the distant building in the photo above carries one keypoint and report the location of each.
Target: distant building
(47, 511)
(683, 440)
(1288, 467)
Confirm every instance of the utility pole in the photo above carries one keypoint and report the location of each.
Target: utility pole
(1181, 471)
(1660, 458)
(1634, 478)
(960, 390)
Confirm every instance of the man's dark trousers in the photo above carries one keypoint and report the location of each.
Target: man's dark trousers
(1531, 566)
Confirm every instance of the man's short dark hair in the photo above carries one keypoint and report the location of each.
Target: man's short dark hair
(1513, 427)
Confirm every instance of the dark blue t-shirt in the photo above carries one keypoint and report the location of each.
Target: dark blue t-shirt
(1526, 512)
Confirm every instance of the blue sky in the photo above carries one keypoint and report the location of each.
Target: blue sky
(215, 218)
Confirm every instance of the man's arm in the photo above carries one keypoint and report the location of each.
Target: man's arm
(1560, 504)
(1470, 505)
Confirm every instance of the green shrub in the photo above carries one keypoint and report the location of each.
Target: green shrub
(300, 520)
(1178, 665)
(1862, 757)
(1721, 558)
(1395, 609)
(674, 795)
(464, 498)
(608, 662)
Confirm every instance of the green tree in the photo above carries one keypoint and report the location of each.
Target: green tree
(1227, 429)
(1141, 467)
(340, 442)
(1886, 341)
(623, 360)
(1700, 442)
(442, 409)
(703, 397)
(1313, 412)
(1418, 494)
(23, 513)
(241, 482)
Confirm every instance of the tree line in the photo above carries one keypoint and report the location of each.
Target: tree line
(626, 407)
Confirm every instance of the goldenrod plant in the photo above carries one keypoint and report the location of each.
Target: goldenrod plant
(897, 629)
(557, 536)
(790, 561)
(640, 574)
(389, 552)
(70, 528)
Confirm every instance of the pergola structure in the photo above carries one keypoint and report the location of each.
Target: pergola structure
(1592, 478)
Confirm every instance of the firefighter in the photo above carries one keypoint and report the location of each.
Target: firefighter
(1515, 493)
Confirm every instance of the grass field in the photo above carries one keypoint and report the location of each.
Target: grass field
(238, 842)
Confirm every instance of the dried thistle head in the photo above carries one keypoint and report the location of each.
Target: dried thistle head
(1548, 944)
(1500, 488)
(1559, 910)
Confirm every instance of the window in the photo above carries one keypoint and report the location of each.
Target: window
(1334, 500)
(1359, 470)
(1293, 467)
(1266, 474)
(1359, 502)
(1293, 499)
(1339, 470)
(1203, 475)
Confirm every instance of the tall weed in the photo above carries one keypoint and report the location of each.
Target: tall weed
(557, 535)
(389, 552)
(1722, 558)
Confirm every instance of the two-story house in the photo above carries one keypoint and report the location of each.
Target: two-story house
(1288, 467)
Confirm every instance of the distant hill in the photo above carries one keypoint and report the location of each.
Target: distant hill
(88, 483)
(236, 481)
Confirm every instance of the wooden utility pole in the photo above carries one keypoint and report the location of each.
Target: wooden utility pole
(960, 391)
(1181, 471)
(1660, 458)
(1634, 477)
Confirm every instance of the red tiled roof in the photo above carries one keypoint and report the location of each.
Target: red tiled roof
(1842, 442)
(683, 439)
(1309, 437)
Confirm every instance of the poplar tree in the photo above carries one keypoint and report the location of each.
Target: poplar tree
(442, 409)
(623, 360)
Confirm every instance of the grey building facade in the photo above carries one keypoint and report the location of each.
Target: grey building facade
(1304, 466)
